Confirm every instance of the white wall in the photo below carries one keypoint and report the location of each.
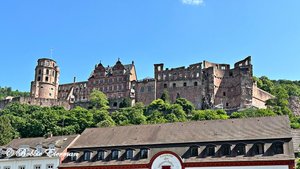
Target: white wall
(29, 163)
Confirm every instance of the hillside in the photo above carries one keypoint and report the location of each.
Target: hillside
(7, 91)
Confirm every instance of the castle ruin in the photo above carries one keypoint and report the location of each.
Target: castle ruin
(207, 85)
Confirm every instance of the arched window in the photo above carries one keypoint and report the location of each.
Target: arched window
(40, 71)
(174, 85)
(165, 85)
(195, 83)
(47, 71)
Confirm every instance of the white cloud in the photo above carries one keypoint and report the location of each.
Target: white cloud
(193, 2)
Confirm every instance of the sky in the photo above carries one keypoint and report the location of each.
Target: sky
(174, 32)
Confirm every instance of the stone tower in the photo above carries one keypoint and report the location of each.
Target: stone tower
(45, 84)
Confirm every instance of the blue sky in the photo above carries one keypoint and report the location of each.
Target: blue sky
(174, 32)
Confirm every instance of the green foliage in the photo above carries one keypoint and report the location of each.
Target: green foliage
(298, 164)
(209, 115)
(7, 132)
(187, 106)
(165, 96)
(125, 103)
(7, 91)
(252, 113)
(98, 100)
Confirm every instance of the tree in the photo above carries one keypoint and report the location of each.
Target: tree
(187, 106)
(7, 132)
(126, 102)
(253, 113)
(165, 96)
(98, 100)
(209, 115)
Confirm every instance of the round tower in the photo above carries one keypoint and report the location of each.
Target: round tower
(45, 84)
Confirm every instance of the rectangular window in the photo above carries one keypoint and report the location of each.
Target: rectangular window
(115, 154)
(258, 148)
(194, 151)
(101, 155)
(211, 150)
(240, 149)
(278, 148)
(37, 167)
(73, 156)
(87, 156)
(129, 154)
(144, 153)
(49, 166)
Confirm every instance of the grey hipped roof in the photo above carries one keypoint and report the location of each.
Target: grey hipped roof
(188, 132)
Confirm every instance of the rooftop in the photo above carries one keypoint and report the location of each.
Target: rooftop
(188, 132)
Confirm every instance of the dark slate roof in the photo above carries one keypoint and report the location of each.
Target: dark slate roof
(188, 132)
(60, 142)
(296, 140)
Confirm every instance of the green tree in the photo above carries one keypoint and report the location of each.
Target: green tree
(98, 100)
(7, 132)
(126, 102)
(209, 115)
(187, 106)
(165, 96)
(252, 113)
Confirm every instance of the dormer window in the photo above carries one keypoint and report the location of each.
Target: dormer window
(39, 150)
(73, 155)
(240, 149)
(226, 150)
(194, 151)
(87, 156)
(114, 154)
(144, 153)
(129, 154)
(258, 148)
(278, 148)
(101, 155)
(210, 150)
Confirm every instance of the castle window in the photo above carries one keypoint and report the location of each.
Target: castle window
(184, 84)
(39, 78)
(101, 155)
(197, 75)
(142, 89)
(227, 104)
(87, 156)
(226, 150)
(195, 83)
(114, 154)
(164, 77)
(224, 93)
(278, 148)
(174, 85)
(149, 89)
(46, 78)
(158, 77)
(223, 67)
(194, 151)
(210, 150)
(144, 153)
(50, 94)
(230, 73)
(159, 68)
(129, 154)
(40, 71)
(47, 71)
(115, 104)
(165, 85)
(53, 73)
(240, 149)
(258, 148)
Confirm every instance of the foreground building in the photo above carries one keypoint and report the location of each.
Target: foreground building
(254, 143)
(35, 153)
(207, 85)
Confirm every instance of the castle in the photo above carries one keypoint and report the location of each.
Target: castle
(207, 85)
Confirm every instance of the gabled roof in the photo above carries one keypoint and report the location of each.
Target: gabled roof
(188, 132)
